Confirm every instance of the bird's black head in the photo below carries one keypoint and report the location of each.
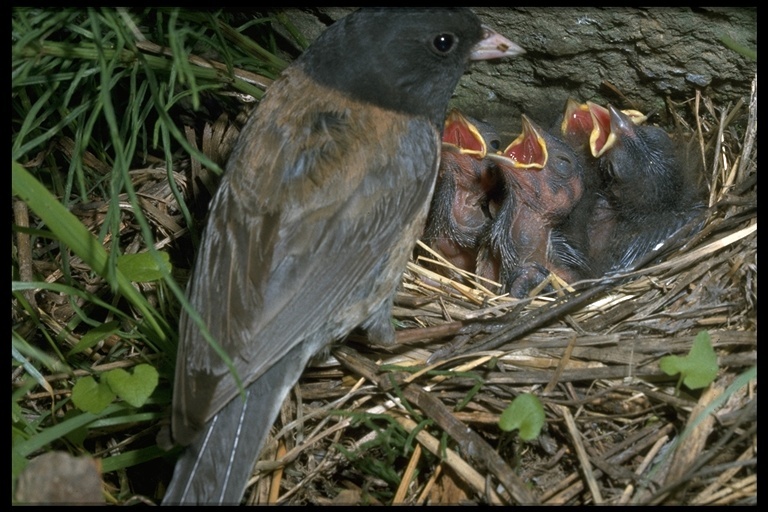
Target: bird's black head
(407, 60)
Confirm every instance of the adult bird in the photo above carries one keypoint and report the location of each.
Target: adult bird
(542, 183)
(458, 215)
(319, 208)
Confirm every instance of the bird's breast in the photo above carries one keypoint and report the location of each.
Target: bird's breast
(329, 147)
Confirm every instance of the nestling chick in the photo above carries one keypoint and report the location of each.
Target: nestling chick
(458, 214)
(651, 189)
(542, 183)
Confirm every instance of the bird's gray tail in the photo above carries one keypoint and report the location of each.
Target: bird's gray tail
(215, 468)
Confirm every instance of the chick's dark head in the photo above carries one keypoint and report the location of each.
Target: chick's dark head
(543, 171)
(642, 165)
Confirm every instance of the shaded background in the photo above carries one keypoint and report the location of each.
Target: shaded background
(630, 57)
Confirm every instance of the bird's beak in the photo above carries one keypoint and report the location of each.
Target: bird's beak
(576, 119)
(460, 133)
(602, 137)
(607, 122)
(528, 151)
(494, 46)
(622, 122)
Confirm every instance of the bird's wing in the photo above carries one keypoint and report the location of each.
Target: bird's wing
(299, 239)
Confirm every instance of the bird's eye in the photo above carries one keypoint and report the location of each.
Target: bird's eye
(443, 43)
(495, 144)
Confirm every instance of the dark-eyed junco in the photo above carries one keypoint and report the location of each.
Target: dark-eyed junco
(458, 215)
(317, 213)
(542, 179)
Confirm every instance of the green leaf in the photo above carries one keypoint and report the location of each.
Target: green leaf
(73, 233)
(94, 336)
(18, 462)
(91, 396)
(749, 53)
(526, 414)
(131, 458)
(77, 435)
(133, 388)
(699, 368)
(143, 267)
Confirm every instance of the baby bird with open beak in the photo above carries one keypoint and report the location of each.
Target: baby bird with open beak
(542, 183)
(651, 186)
(458, 214)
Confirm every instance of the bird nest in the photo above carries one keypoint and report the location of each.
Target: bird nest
(420, 423)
